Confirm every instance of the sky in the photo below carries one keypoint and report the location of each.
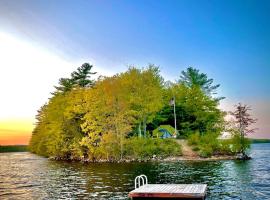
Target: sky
(42, 41)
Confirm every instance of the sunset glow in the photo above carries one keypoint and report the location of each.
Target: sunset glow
(24, 82)
(37, 48)
(15, 131)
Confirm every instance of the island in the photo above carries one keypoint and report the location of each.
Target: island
(138, 116)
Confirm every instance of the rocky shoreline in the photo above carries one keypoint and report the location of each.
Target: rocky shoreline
(153, 159)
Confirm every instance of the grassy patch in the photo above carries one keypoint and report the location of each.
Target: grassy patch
(146, 148)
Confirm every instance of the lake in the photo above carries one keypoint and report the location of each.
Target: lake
(28, 176)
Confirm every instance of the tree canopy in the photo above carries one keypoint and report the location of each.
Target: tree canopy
(243, 121)
(193, 78)
(79, 78)
(100, 119)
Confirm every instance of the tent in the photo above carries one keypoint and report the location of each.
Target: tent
(164, 131)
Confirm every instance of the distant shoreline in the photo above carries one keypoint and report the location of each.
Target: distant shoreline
(13, 148)
(254, 140)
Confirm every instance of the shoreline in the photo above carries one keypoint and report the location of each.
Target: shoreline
(212, 158)
(167, 159)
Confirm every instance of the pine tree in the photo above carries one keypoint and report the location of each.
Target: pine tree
(79, 78)
(192, 77)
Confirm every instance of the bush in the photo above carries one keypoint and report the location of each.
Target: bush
(146, 148)
(240, 144)
(196, 148)
(181, 137)
(210, 139)
(225, 147)
(206, 151)
(206, 144)
(194, 139)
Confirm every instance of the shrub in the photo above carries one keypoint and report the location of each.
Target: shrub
(225, 147)
(196, 148)
(210, 139)
(194, 139)
(240, 144)
(206, 151)
(146, 148)
(206, 144)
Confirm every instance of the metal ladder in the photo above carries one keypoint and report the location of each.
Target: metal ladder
(140, 181)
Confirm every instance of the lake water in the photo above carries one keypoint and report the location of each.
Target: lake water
(27, 176)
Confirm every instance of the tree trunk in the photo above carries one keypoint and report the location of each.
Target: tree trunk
(144, 127)
(139, 130)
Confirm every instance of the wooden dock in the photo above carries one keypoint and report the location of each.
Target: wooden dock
(168, 191)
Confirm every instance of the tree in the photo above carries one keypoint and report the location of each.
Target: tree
(85, 122)
(192, 77)
(243, 120)
(144, 89)
(79, 78)
(108, 116)
(195, 111)
(65, 85)
(58, 129)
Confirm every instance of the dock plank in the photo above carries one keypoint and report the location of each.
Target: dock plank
(193, 191)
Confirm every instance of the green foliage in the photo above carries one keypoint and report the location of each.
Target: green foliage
(93, 120)
(195, 111)
(209, 144)
(243, 120)
(146, 148)
(143, 91)
(195, 148)
(259, 140)
(194, 139)
(240, 144)
(79, 78)
(226, 147)
(206, 151)
(193, 78)
(206, 144)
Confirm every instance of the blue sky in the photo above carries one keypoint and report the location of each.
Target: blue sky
(228, 40)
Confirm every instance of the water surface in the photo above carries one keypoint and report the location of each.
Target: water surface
(28, 176)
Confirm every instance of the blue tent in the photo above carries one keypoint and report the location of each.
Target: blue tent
(164, 133)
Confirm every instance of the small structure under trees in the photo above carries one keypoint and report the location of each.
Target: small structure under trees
(164, 131)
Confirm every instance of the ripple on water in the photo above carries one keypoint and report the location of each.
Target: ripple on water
(27, 176)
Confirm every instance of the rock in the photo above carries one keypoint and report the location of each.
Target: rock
(243, 157)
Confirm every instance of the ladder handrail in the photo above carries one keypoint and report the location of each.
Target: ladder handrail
(140, 179)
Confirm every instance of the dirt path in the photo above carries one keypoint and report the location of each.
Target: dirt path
(189, 154)
(186, 149)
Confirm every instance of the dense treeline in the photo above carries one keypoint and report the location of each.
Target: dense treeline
(114, 117)
(13, 148)
(260, 140)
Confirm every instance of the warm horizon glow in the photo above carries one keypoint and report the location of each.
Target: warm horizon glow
(26, 83)
(15, 131)
(39, 45)
(29, 73)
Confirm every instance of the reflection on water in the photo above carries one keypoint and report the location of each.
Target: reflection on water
(27, 176)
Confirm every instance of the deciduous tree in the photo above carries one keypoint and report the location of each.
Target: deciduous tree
(243, 120)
